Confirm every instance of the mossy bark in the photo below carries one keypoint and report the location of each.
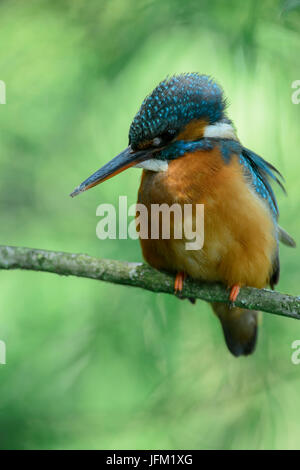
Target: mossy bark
(143, 276)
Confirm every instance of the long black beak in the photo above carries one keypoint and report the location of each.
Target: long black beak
(121, 162)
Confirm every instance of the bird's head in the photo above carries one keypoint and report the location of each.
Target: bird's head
(179, 111)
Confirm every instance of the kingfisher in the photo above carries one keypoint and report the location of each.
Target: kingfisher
(189, 151)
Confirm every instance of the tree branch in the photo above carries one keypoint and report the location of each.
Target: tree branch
(141, 275)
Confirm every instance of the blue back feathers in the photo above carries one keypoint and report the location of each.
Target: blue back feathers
(174, 103)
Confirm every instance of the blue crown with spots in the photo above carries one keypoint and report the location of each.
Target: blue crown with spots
(174, 103)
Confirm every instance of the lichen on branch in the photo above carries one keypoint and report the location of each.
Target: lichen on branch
(143, 276)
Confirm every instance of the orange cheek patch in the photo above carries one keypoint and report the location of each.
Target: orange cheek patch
(193, 130)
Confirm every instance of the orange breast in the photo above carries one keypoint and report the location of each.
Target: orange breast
(239, 234)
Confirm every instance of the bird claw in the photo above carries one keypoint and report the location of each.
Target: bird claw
(234, 292)
(179, 281)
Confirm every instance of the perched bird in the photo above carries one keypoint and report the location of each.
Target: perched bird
(190, 153)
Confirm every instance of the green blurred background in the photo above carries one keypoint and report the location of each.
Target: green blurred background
(94, 365)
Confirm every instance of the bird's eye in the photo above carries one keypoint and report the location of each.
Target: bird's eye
(156, 142)
(164, 138)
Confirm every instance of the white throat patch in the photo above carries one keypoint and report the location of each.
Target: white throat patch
(153, 165)
(220, 129)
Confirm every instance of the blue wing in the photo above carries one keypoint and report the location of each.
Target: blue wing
(261, 173)
(257, 170)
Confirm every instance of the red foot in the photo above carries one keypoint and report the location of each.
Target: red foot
(179, 280)
(234, 292)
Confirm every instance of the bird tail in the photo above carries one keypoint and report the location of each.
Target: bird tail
(239, 328)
